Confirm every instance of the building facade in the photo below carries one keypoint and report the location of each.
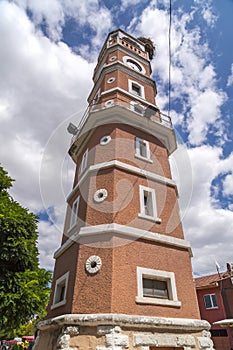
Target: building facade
(215, 299)
(120, 270)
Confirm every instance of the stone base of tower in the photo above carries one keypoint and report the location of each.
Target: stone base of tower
(118, 332)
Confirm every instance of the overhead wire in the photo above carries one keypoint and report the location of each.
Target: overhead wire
(169, 58)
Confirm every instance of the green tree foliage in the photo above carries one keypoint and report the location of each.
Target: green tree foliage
(24, 287)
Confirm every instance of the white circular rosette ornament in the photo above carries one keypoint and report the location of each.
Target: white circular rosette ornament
(100, 195)
(105, 140)
(93, 264)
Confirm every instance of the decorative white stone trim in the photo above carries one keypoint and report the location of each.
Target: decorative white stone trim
(122, 320)
(146, 145)
(93, 264)
(113, 58)
(64, 338)
(111, 80)
(144, 159)
(132, 83)
(134, 233)
(109, 103)
(124, 166)
(150, 218)
(60, 283)
(103, 330)
(100, 195)
(186, 341)
(151, 204)
(114, 339)
(167, 276)
(122, 114)
(105, 140)
(205, 343)
(164, 340)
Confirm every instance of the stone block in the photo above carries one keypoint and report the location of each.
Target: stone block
(145, 339)
(102, 330)
(186, 340)
(205, 342)
(112, 347)
(116, 339)
(63, 342)
(166, 340)
(71, 330)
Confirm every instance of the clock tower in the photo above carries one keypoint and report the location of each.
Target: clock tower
(123, 276)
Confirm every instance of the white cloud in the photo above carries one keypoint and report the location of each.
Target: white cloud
(205, 110)
(49, 242)
(208, 13)
(50, 12)
(193, 80)
(40, 89)
(127, 3)
(230, 78)
(208, 227)
(55, 13)
(228, 185)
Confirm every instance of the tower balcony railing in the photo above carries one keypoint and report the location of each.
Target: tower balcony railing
(150, 113)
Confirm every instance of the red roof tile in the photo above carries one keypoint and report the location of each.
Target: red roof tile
(207, 280)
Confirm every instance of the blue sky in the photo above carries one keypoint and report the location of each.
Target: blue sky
(48, 53)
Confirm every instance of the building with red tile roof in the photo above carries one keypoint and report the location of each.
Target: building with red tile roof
(215, 299)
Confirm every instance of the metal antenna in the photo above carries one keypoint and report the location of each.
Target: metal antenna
(169, 64)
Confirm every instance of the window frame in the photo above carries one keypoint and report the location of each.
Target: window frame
(74, 213)
(159, 275)
(60, 282)
(153, 207)
(141, 88)
(211, 301)
(138, 154)
(83, 164)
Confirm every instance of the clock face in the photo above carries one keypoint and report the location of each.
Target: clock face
(133, 64)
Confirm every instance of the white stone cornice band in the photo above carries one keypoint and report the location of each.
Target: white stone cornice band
(124, 166)
(127, 231)
(125, 320)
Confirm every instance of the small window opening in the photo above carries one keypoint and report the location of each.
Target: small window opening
(210, 301)
(155, 288)
(136, 89)
(74, 212)
(143, 148)
(148, 203)
(60, 292)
